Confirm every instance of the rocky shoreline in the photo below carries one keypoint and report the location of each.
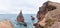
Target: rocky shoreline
(48, 15)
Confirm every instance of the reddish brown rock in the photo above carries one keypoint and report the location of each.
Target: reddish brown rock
(20, 17)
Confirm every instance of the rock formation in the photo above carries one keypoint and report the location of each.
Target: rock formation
(49, 13)
(20, 17)
(44, 9)
(6, 24)
(54, 15)
(32, 18)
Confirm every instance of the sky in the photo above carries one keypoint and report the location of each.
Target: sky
(27, 6)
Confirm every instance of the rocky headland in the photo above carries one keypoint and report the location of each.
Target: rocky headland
(48, 15)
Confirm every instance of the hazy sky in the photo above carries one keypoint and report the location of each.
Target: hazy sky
(14, 6)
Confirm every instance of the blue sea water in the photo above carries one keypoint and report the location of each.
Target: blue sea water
(13, 18)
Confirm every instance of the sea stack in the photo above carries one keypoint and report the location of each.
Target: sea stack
(20, 19)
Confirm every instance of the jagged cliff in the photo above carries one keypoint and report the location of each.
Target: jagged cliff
(48, 15)
(54, 15)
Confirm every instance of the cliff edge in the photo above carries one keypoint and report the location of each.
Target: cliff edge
(48, 15)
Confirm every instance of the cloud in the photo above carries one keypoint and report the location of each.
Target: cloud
(58, 1)
(14, 6)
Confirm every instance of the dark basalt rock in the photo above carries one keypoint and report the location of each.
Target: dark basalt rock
(32, 18)
(37, 26)
(25, 24)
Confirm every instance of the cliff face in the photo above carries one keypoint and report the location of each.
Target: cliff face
(45, 9)
(54, 15)
(49, 12)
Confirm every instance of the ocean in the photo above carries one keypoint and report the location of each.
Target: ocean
(13, 18)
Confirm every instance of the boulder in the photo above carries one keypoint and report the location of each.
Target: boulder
(6, 24)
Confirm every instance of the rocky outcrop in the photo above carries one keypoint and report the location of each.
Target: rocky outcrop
(6, 24)
(20, 17)
(54, 15)
(32, 18)
(44, 9)
(49, 12)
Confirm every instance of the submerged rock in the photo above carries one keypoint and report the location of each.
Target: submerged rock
(25, 24)
(6, 24)
(32, 18)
